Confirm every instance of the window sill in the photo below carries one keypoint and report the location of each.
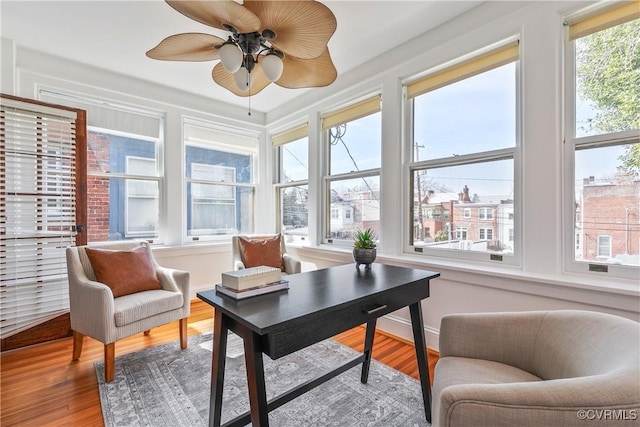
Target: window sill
(600, 291)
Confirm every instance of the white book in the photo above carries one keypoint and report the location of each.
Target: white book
(252, 292)
(250, 277)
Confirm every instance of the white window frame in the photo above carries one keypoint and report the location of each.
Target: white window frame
(485, 214)
(467, 213)
(279, 142)
(573, 144)
(212, 136)
(353, 111)
(158, 177)
(484, 232)
(511, 153)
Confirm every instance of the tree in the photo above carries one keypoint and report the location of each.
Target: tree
(608, 75)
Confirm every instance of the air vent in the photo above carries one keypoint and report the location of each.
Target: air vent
(495, 257)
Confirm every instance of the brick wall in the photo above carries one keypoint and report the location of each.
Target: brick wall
(97, 188)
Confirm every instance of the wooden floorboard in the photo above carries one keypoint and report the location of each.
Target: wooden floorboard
(41, 386)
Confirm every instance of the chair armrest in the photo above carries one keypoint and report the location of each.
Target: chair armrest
(555, 402)
(238, 265)
(176, 281)
(92, 310)
(500, 337)
(291, 264)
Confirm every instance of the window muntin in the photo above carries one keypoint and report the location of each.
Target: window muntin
(123, 180)
(353, 138)
(463, 139)
(292, 188)
(603, 124)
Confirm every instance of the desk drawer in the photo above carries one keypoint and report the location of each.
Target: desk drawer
(318, 326)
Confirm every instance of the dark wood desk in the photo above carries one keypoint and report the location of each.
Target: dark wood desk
(318, 305)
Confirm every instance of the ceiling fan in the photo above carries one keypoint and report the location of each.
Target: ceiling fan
(284, 42)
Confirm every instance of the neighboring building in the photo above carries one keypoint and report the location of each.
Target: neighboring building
(608, 226)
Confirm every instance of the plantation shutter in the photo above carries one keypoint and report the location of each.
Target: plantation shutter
(37, 211)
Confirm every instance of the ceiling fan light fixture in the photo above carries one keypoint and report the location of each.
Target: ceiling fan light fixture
(272, 66)
(242, 77)
(231, 56)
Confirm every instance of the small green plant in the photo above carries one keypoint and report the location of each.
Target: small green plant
(364, 239)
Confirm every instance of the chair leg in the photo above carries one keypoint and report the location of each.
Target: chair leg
(109, 361)
(78, 338)
(183, 333)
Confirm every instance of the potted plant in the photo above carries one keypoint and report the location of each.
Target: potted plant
(364, 247)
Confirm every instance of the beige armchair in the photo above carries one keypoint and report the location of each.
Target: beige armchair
(269, 242)
(97, 313)
(542, 368)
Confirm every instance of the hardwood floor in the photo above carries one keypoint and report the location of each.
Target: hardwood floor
(41, 386)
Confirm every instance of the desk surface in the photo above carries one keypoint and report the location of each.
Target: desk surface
(315, 291)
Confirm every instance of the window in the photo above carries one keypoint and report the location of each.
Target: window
(124, 178)
(603, 125)
(462, 134)
(485, 213)
(292, 177)
(124, 186)
(604, 247)
(353, 141)
(486, 234)
(219, 179)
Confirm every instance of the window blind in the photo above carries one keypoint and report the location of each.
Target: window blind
(352, 112)
(210, 136)
(477, 65)
(290, 135)
(37, 212)
(603, 20)
(102, 114)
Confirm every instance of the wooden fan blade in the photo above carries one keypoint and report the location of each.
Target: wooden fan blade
(225, 79)
(303, 28)
(187, 47)
(316, 72)
(218, 12)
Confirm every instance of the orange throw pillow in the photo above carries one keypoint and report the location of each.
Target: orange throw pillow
(125, 272)
(261, 251)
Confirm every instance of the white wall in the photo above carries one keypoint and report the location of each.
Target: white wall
(539, 282)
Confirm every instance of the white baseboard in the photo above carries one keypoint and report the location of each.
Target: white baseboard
(401, 328)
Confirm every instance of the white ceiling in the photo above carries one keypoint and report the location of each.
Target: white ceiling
(115, 35)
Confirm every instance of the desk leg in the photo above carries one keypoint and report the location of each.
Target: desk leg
(255, 380)
(368, 349)
(421, 354)
(220, 330)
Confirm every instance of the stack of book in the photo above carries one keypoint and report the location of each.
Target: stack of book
(251, 282)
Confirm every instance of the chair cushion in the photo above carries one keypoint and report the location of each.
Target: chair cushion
(125, 272)
(141, 305)
(261, 251)
(452, 371)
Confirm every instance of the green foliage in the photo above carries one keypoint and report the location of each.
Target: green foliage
(608, 75)
(364, 239)
(441, 236)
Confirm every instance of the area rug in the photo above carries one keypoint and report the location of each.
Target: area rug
(167, 386)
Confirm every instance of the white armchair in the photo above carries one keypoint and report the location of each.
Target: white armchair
(97, 313)
(290, 264)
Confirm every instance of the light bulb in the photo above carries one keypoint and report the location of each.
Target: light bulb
(243, 79)
(272, 66)
(231, 57)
